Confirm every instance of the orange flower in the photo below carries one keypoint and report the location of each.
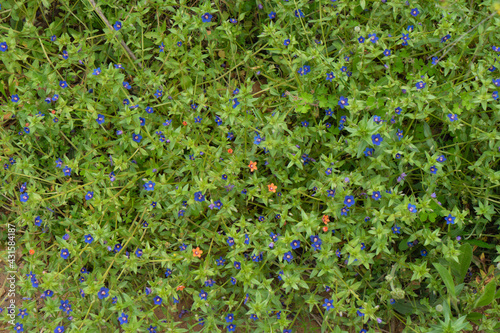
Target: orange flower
(325, 228)
(53, 111)
(325, 219)
(32, 252)
(272, 188)
(252, 166)
(197, 252)
(180, 288)
(230, 151)
(184, 123)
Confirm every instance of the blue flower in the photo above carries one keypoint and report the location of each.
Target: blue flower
(14, 98)
(399, 134)
(149, 186)
(286, 42)
(100, 119)
(197, 119)
(97, 71)
(452, 117)
(343, 102)
(295, 244)
(64, 253)
(433, 169)
(299, 13)
(405, 39)
(235, 103)
(349, 201)
(24, 197)
(257, 139)
(218, 204)
(138, 253)
(229, 318)
(377, 139)
(233, 21)
(387, 52)
(38, 221)
(237, 265)
(103, 293)
(158, 93)
(65, 54)
(435, 60)
(137, 137)
(23, 313)
(198, 196)
(376, 195)
(450, 219)
(230, 241)
(123, 319)
(328, 305)
(3, 46)
(396, 230)
(369, 151)
(89, 239)
(231, 328)
(162, 47)
(89, 195)
(149, 109)
(414, 12)
(288, 256)
(412, 208)
(496, 82)
(23, 187)
(221, 261)
(373, 38)
(272, 15)
(494, 95)
(157, 300)
(445, 38)
(423, 253)
(117, 25)
(206, 18)
(330, 77)
(63, 84)
(420, 85)
(361, 39)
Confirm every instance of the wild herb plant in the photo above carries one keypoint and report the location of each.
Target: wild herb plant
(256, 165)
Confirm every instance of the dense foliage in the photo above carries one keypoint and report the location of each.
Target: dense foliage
(257, 165)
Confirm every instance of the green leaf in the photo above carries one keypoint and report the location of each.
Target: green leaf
(474, 317)
(464, 259)
(479, 243)
(487, 296)
(447, 279)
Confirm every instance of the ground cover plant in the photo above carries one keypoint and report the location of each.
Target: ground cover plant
(246, 166)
